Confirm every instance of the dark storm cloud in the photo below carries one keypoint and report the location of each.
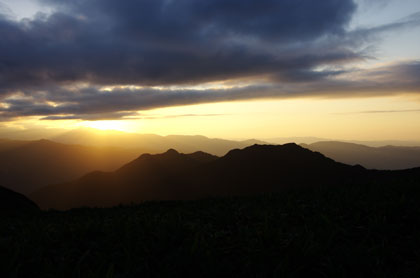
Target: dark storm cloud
(188, 20)
(294, 48)
(91, 103)
(169, 42)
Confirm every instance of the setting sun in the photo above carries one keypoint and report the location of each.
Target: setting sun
(107, 125)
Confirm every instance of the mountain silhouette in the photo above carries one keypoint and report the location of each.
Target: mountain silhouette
(149, 177)
(386, 157)
(13, 201)
(25, 166)
(175, 176)
(267, 168)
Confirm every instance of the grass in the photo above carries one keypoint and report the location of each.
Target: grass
(356, 231)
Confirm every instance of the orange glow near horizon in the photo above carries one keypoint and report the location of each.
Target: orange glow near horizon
(375, 118)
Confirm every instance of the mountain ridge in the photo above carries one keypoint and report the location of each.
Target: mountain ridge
(177, 176)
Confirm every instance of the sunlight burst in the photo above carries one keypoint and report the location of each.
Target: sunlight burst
(107, 125)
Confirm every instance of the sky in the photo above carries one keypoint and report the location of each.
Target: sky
(340, 69)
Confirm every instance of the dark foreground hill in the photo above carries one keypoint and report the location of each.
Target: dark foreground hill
(25, 166)
(13, 201)
(386, 157)
(363, 230)
(175, 176)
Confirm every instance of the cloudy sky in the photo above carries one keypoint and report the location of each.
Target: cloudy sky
(340, 69)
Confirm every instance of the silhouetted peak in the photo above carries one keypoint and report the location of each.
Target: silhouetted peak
(171, 152)
(269, 146)
(266, 148)
(148, 156)
(359, 167)
(145, 155)
(292, 144)
(200, 153)
(276, 154)
(202, 156)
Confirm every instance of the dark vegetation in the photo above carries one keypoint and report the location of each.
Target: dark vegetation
(333, 231)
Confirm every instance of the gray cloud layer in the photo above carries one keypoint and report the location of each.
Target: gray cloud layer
(94, 104)
(183, 42)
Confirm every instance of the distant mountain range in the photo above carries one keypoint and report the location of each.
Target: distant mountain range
(152, 143)
(311, 140)
(172, 175)
(370, 154)
(387, 157)
(26, 166)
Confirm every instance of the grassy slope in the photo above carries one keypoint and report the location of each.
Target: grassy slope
(332, 232)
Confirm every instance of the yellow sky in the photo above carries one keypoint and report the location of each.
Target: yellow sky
(345, 119)
(338, 119)
(375, 54)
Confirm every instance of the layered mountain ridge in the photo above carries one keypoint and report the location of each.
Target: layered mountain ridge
(176, 176)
